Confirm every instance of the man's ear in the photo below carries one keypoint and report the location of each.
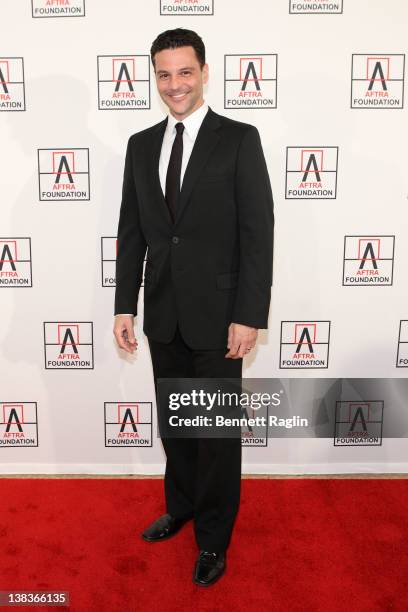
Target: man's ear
(206, 74)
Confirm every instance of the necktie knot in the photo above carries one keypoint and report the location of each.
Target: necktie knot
(179, 128)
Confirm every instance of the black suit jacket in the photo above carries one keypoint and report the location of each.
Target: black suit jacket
(213, 266)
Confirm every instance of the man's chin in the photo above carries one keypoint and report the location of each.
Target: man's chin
(185, 108)
(179, 112)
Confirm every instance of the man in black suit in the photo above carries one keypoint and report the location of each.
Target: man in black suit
(196, 195)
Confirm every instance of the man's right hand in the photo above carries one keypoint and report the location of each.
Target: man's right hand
(124, 333)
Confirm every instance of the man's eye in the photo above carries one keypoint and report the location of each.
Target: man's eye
(163, 76)
(186, 72)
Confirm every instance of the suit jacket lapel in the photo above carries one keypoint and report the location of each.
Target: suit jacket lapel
(207, 139)
(153, 167)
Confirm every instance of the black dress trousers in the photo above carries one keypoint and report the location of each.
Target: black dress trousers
(203, 475)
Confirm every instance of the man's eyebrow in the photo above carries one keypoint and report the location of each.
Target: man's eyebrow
(179, 70)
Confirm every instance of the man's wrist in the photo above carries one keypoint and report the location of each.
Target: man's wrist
(245, 325)
(125, 314)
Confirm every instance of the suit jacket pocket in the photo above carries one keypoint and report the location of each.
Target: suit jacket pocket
(227, 280)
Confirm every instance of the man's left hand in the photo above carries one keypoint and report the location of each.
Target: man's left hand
(241, 339)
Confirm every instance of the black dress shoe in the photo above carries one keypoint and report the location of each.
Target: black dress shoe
(209, 567)
(164, 527)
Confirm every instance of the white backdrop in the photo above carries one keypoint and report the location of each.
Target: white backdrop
(317, 71)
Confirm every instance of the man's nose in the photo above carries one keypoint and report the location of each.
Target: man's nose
(174, 82)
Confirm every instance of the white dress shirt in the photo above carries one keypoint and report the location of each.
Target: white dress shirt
(192, 124)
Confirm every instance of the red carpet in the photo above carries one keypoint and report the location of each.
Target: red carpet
(299, 545)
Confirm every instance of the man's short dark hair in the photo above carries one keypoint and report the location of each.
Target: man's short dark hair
(180, 37)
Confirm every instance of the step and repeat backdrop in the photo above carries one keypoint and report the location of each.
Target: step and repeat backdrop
(324, 83)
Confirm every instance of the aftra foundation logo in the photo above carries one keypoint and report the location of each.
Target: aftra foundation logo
(313, 7)
(123, 82)
(258, 435)
(250, 81)
(402, 352)
(109, 251)
(15, 262)
(18, 424)
(63, 174)
(12, 92)
(58, 8)
(311, 173)
(68, 346)
(359, 423)
(128, 424)
(368, 260)
(377, 80)
(198, 8)
(304, 344)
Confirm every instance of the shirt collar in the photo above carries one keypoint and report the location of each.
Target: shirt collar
(192, 123)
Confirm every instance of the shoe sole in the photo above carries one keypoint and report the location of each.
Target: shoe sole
(201, 584)
(167, 537)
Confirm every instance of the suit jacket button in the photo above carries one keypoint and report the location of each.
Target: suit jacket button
(175, 239)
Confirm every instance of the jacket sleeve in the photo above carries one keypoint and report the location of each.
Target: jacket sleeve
(131, 244)
(256, 229)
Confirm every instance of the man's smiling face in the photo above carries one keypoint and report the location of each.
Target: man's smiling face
(180, 80)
